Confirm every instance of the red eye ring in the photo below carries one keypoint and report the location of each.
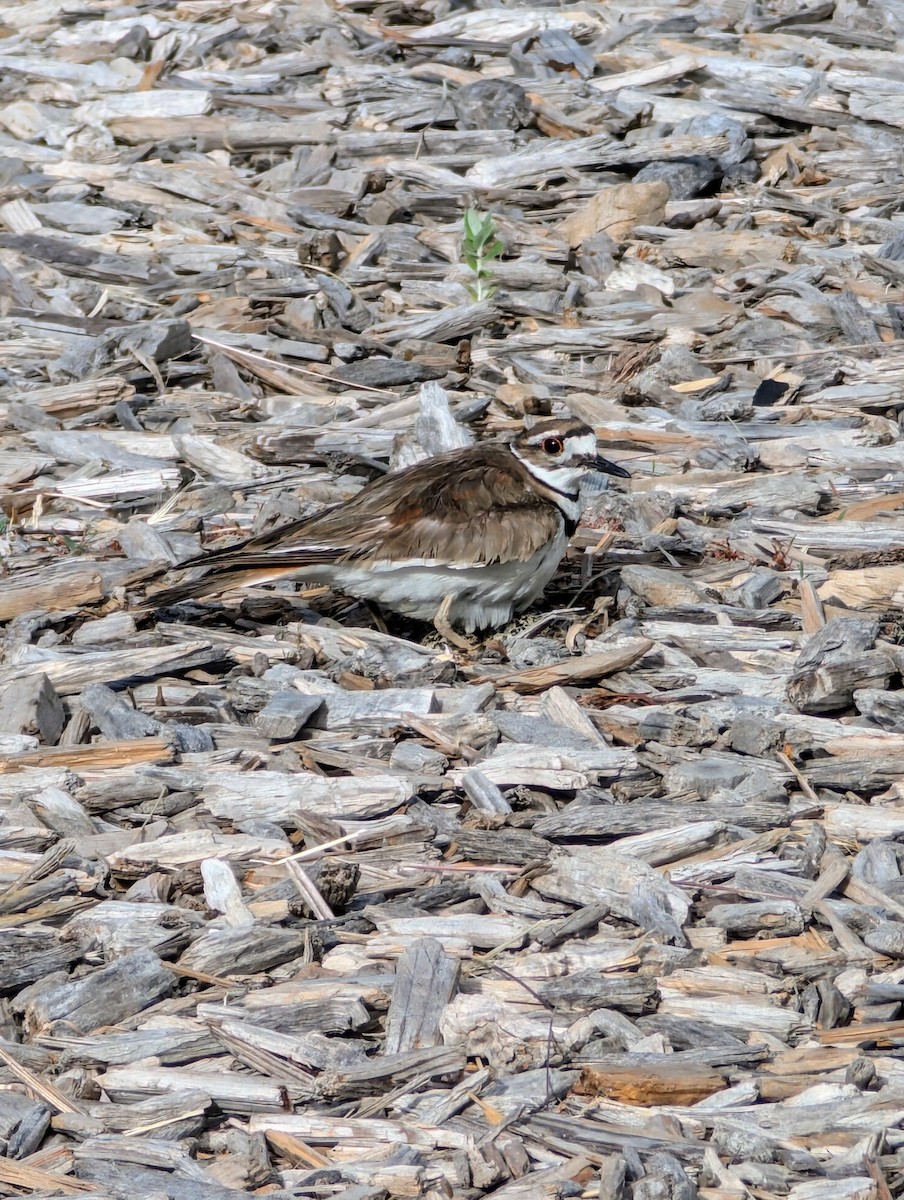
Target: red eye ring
(552, 445)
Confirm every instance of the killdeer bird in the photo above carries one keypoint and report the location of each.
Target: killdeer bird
(465, 538)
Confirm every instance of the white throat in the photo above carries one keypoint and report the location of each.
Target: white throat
(565, 479)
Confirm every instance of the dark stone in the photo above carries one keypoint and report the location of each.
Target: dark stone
(492, 104)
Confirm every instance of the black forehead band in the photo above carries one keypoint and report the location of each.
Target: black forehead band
(539, 433)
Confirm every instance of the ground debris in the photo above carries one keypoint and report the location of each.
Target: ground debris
(297, 900)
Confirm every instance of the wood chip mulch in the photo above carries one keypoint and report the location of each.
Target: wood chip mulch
(297, 901)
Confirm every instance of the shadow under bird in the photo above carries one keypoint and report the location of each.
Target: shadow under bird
(466, 538)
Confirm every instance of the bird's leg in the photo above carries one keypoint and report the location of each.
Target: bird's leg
(376, 616)
(443, 627)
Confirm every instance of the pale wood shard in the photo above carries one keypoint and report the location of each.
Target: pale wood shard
(70, 674)
(586, 666)
(238, 1092)
(62, 586)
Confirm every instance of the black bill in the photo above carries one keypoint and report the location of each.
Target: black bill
(608, 468)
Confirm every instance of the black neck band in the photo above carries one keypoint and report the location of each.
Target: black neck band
(572, 496)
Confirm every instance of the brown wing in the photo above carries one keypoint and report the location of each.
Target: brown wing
(474, 505)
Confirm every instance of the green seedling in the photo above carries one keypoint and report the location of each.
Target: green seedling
(480, 246)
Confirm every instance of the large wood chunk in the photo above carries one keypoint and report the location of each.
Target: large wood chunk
(836, 662)
(583, 991)
(28, 954)
(650, 1083)
(425, 981)
(242, 951)
(31, 705)
(105, 997)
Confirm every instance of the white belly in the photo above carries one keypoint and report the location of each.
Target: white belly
(482, 595)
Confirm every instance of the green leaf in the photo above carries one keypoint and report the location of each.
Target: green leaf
(478, 247)
(472, 223)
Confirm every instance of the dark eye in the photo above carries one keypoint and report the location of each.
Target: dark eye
(552, 446)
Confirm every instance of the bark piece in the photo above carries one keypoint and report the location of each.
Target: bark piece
(118, 720)
(586, 990)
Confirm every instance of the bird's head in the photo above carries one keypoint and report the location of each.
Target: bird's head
(561, 452)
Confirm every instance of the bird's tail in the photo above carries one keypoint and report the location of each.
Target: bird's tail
(264, 558)
(209, 584)
(217, 575)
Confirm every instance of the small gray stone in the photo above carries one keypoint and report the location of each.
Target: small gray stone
(877, 863)
(686, 179)
(755, 735)
(741, 1140)
(885, 709)
(188, 739)
(757, 785)
(533, 651)
(596, 257)
(260, 828)
(539, 731)
(717, 124)
(159, 339)
(286, 714)
(893, 248)
(731, 454)
(142, 541)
